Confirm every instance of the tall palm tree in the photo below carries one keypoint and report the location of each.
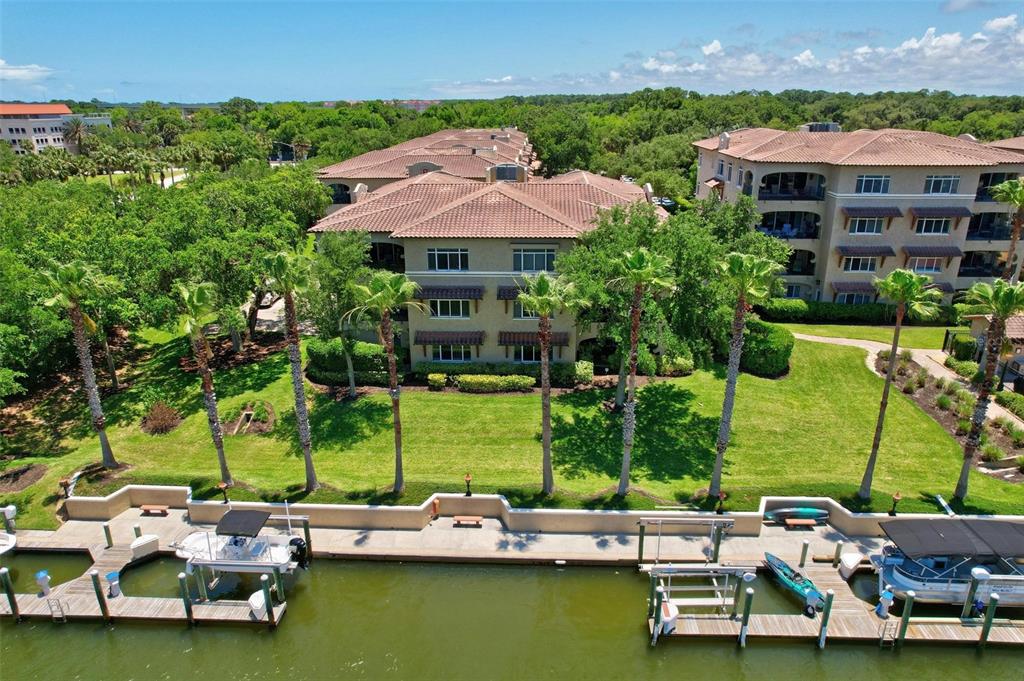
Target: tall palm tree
(1011, 192)
(998, 301)
(198, 302)
(913, 296)
(545, 295)
(108, 158)
(749, 278)
(385, 293)
(642, 273)
(287, 274)
(301, 146)
(69, 285)
(75, 132)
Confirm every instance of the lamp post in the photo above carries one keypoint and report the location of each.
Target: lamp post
(469, 480)
(223, 487)
(895, 500)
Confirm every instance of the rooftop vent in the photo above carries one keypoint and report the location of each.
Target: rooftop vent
(821, 127)
(723, 141)
(967, 137)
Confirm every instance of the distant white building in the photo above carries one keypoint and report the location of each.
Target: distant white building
(30, 128)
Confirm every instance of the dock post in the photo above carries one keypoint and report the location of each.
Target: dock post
(972, 591)
(717, 545)
(745, 622)
(640, 546)
(309, 541)
(265, 585)
(803, 552)
(137, 529)
(201, 583)
(107, 536)
(278, 584)
(104, 608)
(990, 614)
(825, 613)
(8, 525)
(5, 580)
(651, 595)
(908, 605)
(185, 597)
(839, 551)
(659, 598)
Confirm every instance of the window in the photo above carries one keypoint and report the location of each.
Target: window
(506, 173)
(926, 265)
(728, 175)
(452, 353)
(533, 259)
(932, 226)
(872, 184)
(854, 298)
(449, 309)
(792, 290)
(859, 264)
(866, 225)
(528, 353)
(700, 158)
(739, 177)
(941, 184)
(721, 168)
(519, 312)
(447, 259)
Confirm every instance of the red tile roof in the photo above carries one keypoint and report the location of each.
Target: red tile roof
(7, 109)
(1011, 143)
(886, 147)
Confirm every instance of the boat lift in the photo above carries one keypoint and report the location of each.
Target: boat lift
(720, 591)
(718, 527)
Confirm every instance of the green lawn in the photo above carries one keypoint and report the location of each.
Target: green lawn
(923, 337)
(807, 433)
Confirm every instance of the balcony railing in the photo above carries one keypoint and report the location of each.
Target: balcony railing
(998, 233)
(806, 194)
(974, 271)
(791, 231)
(983, 195)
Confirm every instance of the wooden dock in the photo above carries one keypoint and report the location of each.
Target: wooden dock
(76, 599)
(852, 619)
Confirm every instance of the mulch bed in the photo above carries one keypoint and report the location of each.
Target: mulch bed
(17, 479)
(224, 357)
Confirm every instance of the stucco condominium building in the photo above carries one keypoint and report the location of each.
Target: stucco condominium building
(468, 243)
(30, 128)
(856, 205)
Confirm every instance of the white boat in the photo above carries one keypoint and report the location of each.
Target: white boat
(936, 558)
(7, 542)
(237, 546)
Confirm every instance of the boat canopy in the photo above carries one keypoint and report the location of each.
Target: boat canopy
(919, 537)
(242, 523)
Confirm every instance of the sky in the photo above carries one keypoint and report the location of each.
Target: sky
(269, 51)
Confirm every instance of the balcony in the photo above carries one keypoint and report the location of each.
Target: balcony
(982, 264)
(989, 180)
(790, 225)
(989, 227)
(792, 187)
(801, 264)
(992, 271)
(791, 231)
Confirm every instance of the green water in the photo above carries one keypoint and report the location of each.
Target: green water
(23, 566)
(399, 621)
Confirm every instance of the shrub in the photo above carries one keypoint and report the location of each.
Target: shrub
(1002, 423)
(964, 348)
(161, 418)
(1020, 463)
(940, 383)
(260, 413)
(991, 452)
(906, 355)
(923, 377)
(965, 368)
(487, 383)
(910, 387)
(563, 374)
(961, 310)
(902, 367)
(673, 364)
(963, 426)
(943, 402)
(884, 355)
(377, 378)
(329, 355)
(766, 349)
(964, 411)
(951, 388)
(583, 371)
(1011, 401)
(436, 381)
(1017, 436)
(785, 310)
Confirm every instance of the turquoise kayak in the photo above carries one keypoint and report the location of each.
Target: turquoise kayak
(795, 582)
(798, 512)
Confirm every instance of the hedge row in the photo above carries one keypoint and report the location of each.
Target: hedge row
(378, 378)
(329, 355)
(964, 348)
(563, 374)
(766, 349)
(797, 310)
(1012, 401)
(965, 368)
(489, 383)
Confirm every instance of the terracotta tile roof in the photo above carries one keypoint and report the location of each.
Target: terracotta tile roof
(448, 337)
(558, 338)
(1014, 325)
(886, 147)
(7, 109)
(1011, 143)
(450, 293)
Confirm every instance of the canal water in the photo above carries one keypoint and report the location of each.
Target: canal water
(358, 620)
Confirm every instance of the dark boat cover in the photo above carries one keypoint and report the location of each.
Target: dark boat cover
(242, 523)
(920, 537)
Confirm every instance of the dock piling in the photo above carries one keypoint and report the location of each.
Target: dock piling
(8, 523)
(309, 541)
(978, 575)
(278, 585)
(659, 598)
(908, 606)
(640, 546)
(716, 534)
(990, 614)
(201, 583)
(839, 551)
(186, 598)
(803, 552)
(825, 613)
(265, 585)
(745, 622)
(650, 596)
(5, 581)
(107, 535)
(137, 529)
(100, 596)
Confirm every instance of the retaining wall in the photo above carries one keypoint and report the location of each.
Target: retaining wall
(105, 508)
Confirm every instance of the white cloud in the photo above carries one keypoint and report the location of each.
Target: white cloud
(714, 47)
(952, 6)
(25, 73)
(614, 76)
(1000, 24)
(806, 59)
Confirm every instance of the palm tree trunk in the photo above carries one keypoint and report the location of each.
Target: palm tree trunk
(299, 388)
(1018, 221)
(110, 176)
(210, 399)
(620, 388)
(869, 472)
(544, 338)
(994, 342)
(99, 422)
(351, 372)
(629, 406)
(732, 376)
(110, 362)
(389, 346)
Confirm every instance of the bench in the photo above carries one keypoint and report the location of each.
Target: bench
(800, 522)
(465, 520)
(150, 509)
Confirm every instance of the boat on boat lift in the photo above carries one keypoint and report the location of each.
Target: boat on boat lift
(936, 559)
(237, 545)
(7, 539)
(7, 542)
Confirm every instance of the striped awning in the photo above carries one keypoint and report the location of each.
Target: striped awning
(941, 211)
(933, 251)
(943, 286)
(872, 212)
(451, 293)
(853, 287)
(865, 251)
(449, 338)
(558, 338)
(508, 292)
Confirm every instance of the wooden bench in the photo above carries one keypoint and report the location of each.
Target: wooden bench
(464, 520)
(150, 509)
(801, 522)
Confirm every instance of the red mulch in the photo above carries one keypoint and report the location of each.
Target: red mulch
(224, 356)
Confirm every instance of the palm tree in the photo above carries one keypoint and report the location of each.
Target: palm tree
(75, 132)
(998, 301)
(197, 303)
(287, 274)
(544, 295)
(387, 292)
(108, 158)
(913, 296)
(1011, 192)
(641, 273)
(301, 146)
(749, 278)
(69, 285)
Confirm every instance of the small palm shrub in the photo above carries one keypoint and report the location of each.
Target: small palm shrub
(910, 386)
(884, 355)
(923, 377)
(963, 426)
(902, 367)
(990, 452)
(951, 388)
(944, 402)
(940, 383)
(906, 355)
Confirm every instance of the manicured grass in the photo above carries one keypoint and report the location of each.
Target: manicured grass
(923, 337)
(806, 433)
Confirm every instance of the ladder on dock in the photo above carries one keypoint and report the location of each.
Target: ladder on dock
(887, 633)
(57, 611)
